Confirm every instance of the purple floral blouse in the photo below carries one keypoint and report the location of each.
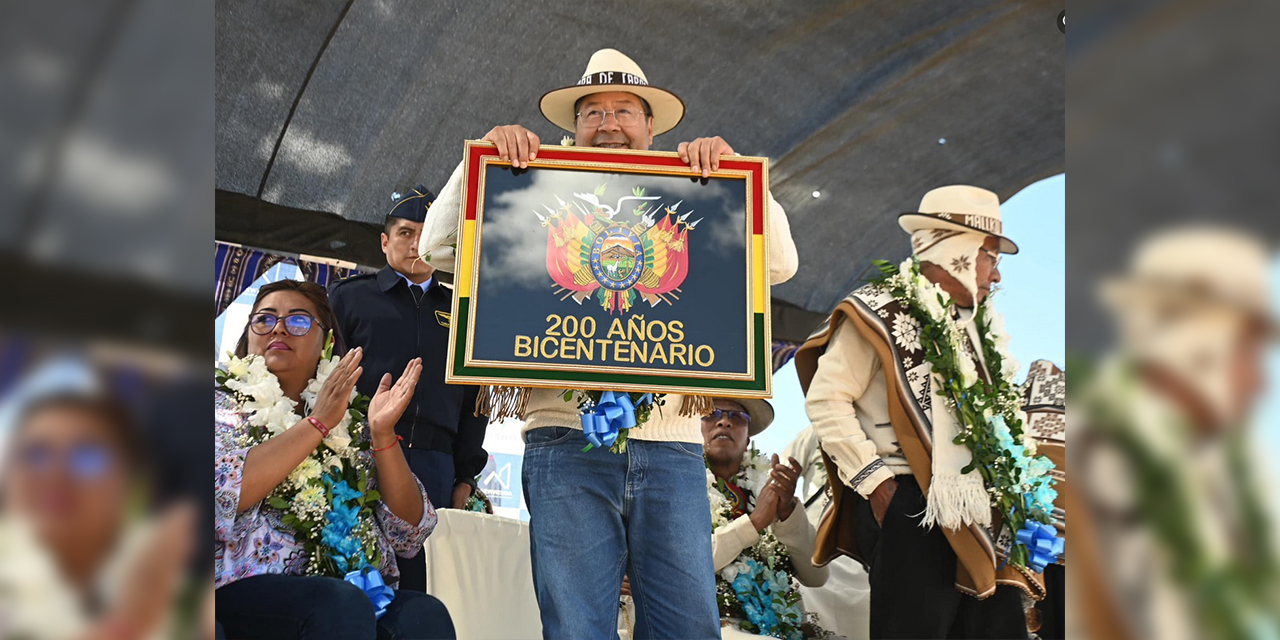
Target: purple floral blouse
(256, 542)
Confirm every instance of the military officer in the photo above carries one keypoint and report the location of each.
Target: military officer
(400, 313)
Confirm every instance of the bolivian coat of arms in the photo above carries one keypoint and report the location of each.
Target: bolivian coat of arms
(613, 255)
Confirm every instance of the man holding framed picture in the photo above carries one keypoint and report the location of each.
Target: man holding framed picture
(595, 515)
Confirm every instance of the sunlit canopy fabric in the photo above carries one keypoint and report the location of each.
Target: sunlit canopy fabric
(325, 107)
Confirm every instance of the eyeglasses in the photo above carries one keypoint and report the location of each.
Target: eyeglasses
(995, 257)
(736, 418)
(86, 460)
(298, 324)
(624, 117)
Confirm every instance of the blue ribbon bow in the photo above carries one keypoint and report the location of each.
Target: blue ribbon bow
(613, 413)
(1042, 542)
(369, 580)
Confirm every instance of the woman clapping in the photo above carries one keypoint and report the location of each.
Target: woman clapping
(312, 500)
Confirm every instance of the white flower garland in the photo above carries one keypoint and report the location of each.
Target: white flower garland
(936, 302)
(752, 476)
(268, 407)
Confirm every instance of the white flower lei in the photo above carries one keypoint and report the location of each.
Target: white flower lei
(936, 302)
(267, 406)
(752, 476)
(303, 496)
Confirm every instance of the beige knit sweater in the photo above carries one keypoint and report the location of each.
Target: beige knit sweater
(547, 408)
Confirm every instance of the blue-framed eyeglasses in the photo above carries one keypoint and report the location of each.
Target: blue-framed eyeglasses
(297, 324)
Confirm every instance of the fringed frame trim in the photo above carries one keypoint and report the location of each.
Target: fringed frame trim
(500, 403)
(696, 406)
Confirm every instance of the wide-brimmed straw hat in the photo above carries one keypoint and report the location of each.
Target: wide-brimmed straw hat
(1199, 265)
(611, 70)
(761, 413)
(959, 208)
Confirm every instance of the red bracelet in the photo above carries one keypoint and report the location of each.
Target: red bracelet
(324, 431)
(399, 439)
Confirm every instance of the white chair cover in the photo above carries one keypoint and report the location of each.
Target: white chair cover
(479, 566)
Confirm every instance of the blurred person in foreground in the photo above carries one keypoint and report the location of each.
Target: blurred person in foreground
(76, 560)
(310, 512)
(1175, 537)
(909, 387)
(757, 523)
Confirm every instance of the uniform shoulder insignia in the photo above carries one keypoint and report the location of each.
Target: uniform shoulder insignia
(357, 277)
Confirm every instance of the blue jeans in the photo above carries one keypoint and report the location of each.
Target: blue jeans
(594, 515)
(281, 607)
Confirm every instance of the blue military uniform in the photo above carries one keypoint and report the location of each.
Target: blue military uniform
(443, 438)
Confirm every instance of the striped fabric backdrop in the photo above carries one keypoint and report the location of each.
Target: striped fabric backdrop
(235, 268)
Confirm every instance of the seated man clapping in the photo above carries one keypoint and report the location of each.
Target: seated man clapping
(757, 531)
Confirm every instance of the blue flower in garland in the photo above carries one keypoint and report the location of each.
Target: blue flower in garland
(345, 548)
(1035, 469)
(1041, 497)
(778, 582)
(343, 518)
(761, 594)
(1001, 430)
(767, 621)
(343, 492)
(744, 584)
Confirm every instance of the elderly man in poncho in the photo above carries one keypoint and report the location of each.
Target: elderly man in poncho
(903, 504)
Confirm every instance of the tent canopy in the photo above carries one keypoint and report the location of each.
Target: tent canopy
(324, 107)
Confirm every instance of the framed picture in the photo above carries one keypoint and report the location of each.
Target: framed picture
(612, 269)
